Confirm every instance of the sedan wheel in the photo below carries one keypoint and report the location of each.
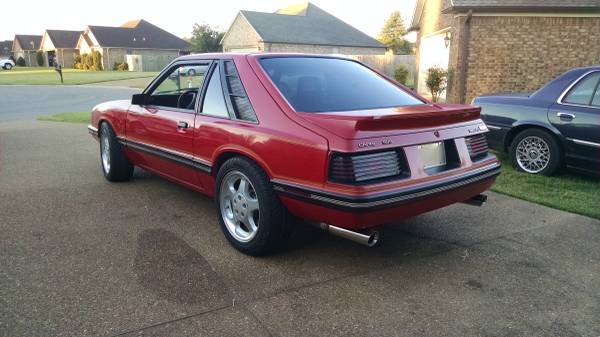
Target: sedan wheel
(8, 66)
(240, 208)
(105, 152)
(536, 151)
(533, 154)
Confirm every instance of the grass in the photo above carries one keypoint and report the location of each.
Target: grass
(568, 191)
(67, 117)
(44, 75)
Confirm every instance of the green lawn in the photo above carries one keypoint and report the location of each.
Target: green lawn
(21, 75)
(68, 117)
(568, 191)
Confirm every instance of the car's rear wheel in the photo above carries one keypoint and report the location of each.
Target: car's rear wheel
(115, 165)
(8, 66)
(251, 215)
(536, 151)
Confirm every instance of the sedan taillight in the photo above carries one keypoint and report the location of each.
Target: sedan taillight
(477, 146)
(361, 168)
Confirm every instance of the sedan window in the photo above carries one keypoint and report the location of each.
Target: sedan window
(583, 92)
(319, 84)
(179, 89)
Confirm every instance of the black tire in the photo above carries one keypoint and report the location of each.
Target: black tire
(8, 66)
(119, 167)
(274, 224)
(555, 162)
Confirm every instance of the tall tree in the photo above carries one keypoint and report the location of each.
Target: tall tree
(205, 39)
(392, 34)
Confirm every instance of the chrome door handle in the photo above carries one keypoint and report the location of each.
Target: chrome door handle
(565, 116)
(182, 125)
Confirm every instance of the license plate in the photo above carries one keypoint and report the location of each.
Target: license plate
(433, 154)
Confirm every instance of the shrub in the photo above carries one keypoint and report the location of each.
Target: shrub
(121, 66)
(401, 74)
(12, 58)
(39, 56)
(21, 62)
(436, 81)
(77, 62)
(96, 60)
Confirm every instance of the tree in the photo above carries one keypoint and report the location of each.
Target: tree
(392, 35)
(436, 82)
(205, 39)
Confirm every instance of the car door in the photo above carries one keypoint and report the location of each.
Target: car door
(576, 114)
(161, 129)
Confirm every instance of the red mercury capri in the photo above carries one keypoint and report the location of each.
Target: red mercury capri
(272, 136)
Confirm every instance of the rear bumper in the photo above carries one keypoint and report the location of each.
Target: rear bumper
(356, 212)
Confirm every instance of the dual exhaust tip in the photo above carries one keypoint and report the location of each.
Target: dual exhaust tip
(370, 238)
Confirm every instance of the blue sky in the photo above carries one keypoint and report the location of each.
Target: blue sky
(179, 17)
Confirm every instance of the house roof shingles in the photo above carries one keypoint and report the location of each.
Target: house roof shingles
(137, 34)
(309, 25)
(29, 42)
(6, 45)
(64, 39)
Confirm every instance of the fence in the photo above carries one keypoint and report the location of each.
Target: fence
(388, 63)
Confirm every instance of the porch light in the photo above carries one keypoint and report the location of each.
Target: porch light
(447, 39)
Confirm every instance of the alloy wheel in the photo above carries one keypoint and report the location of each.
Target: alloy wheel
(532, 154)
(239, 205)
(105, 152)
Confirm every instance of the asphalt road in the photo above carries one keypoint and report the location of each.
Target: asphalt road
(27, 101)
(83, 257)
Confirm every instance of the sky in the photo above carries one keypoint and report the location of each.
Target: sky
(179, 18)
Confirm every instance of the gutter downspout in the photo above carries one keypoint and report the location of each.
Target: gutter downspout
(464, 50)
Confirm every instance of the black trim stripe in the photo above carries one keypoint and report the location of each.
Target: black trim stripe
(387, 199)
(179, 159)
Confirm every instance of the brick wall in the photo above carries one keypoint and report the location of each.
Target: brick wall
(240, 35)
(513, 54)
(320, 49)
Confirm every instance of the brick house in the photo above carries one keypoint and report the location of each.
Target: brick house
(503, 45)
(154, 47)
(303, 28)
(60, 47)
(26, 46)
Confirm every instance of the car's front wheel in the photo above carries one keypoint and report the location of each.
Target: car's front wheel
(251, 215)
(8, 66)
(536, 151)
(115, 165)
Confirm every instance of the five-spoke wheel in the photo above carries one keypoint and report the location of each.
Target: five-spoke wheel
(240, 208)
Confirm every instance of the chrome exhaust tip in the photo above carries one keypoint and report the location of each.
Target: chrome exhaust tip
(477, 200)
(368, 239)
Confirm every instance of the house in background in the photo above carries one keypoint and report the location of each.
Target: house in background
(499, 45)
(6, 48)
(151, 47)
(26, 46)
(303, 28)
(60, 47)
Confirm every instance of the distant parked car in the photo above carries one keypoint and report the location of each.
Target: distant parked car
(7, 64)
(554, 127)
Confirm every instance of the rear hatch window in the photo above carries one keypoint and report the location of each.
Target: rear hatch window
(319, 84)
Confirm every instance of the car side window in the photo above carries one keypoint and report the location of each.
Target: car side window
(596, 98)
(179, 89)
(214, 101)
(235, 89)
(583, 93)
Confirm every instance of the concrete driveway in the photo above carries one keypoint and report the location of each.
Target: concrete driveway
(83, 257)
(29, 101)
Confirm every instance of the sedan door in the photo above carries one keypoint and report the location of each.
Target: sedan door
(576, 114)
(161, 130)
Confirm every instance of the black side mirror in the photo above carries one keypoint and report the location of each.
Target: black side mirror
(140, 99)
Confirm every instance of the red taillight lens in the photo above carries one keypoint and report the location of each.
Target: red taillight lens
(360, 168)
(477, 146)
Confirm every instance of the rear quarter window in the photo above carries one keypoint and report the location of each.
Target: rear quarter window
(318, 84)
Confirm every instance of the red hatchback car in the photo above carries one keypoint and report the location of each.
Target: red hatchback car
(321, 138)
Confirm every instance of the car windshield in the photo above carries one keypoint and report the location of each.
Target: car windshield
(318, 84)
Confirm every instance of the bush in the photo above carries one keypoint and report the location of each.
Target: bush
(401, 74)
(39, 56)
(77, 62)
(96, 60)
(12, 58)
(21, 62)
(121, 66)
(436, 81)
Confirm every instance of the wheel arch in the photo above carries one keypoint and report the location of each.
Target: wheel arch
(227, 153)
(524, 125)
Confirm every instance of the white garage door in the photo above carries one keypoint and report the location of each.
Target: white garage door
(432, 53)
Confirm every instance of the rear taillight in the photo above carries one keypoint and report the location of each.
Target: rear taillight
(370, 167)
(477, 146)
